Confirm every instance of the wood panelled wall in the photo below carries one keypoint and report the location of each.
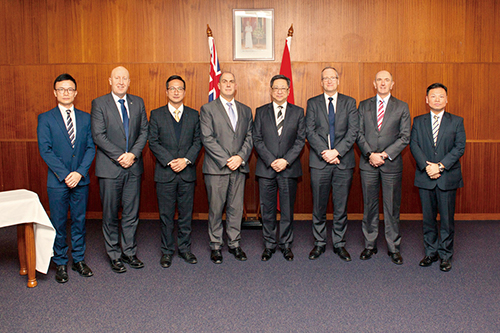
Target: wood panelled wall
(420, 42)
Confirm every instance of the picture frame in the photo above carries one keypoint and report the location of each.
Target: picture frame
(253, 34)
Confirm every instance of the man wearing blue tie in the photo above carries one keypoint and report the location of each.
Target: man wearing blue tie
(65, 144)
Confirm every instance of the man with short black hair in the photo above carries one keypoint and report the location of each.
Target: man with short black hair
(65, 144)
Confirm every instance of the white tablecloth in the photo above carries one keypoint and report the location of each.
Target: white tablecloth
(23, 206)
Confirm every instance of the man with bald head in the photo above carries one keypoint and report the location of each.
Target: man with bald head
(384, 131)
(120, 132)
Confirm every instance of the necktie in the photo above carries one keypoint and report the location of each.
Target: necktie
(435, 129)
(70, 128)
(280, 120)
(125, 119)
(331, 120)
(380, 114)
(232, 115)
(176, 115)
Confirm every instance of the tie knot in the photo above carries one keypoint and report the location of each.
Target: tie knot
(330, 99)
(68, 111)
(229, 105)
(381, 102)
(280, 107)
(435, 117)
(121, 101)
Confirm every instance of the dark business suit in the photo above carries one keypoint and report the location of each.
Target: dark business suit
(325, 176)
(438, 194)
(119, 186)
(221, 142)
(270, 146)
(56, 150)
(393, 137)
(168, 143)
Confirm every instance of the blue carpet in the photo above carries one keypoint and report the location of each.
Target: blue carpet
(325, 295)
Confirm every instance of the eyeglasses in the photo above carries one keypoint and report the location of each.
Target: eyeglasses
(279, 89)
(63, 90)
(172, 89)
(331, 78)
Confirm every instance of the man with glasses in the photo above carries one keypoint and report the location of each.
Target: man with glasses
(226, 133)
(120, 131)
(278, 136)
(65, 144)
(384, 131)
(332, 127)
(174, 139)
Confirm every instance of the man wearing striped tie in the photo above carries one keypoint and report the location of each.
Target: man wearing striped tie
(384, 131)
(65, 144)
(437, 143)
(279, 136)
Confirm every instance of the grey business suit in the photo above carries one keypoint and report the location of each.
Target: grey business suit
(393, 137)
(172, 187)
(438, 194)
(225, 187)
(271, 146)
(119, 186)
(325, 176)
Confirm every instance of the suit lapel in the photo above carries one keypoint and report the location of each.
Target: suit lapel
(324, 110)
(56, 113)
(373, 107)
(226, 117)
(269, 118)
(169, 120)
(445, 122)
(115, 113)
(428, 127)
(388, 112)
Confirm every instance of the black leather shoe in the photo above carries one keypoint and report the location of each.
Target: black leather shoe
(445, 265)
(267, 254)
(216, 256)
(188, 257)
(117, 266)
(166, 260)
(342, 253)
(287, 254)
(368, 253)
(82, 268)
(428, 260)
(396, 257)
(62, 274)
(133, 261)
(238, 253)
(316, 252)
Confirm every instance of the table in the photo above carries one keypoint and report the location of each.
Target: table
(35, 233)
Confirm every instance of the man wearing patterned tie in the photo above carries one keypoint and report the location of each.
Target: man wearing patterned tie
(174, 139)
(437, 143)
(226, 133)
(332, 126)
(278, 136)
(65, 144)
(384, 131)
(120, 132)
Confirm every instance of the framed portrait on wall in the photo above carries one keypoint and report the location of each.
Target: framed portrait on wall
(253, 34)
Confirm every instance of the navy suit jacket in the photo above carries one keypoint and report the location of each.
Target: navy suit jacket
(318, 129)
(55, 147)
(270, 146)
(449, 148)
(109, 134)
(165, 146)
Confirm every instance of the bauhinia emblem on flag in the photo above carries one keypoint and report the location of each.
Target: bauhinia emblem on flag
(215, 72)
(286, 64)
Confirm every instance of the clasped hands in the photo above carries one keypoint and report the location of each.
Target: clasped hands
(378, 159)
(72, 179)
(432, 170)
(178, 164)
(126, 160)
(234, 162)
(279, 164)
(331, 156)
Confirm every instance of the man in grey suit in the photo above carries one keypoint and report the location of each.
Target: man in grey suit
(437, 143)
(226, 134)
(120, 131)
(174, 139)
(279, 136)
(332, 127)
(384, 131)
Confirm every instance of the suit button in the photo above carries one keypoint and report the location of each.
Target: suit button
(435, 153)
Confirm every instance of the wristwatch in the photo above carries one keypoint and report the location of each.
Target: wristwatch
(441, 167)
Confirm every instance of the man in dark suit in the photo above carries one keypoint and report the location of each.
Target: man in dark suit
(120, 131)
(332, 127)
(279, 136)
(437, 143)
(226, 134)
(174, 139)
(65, 144)
(384, 131)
